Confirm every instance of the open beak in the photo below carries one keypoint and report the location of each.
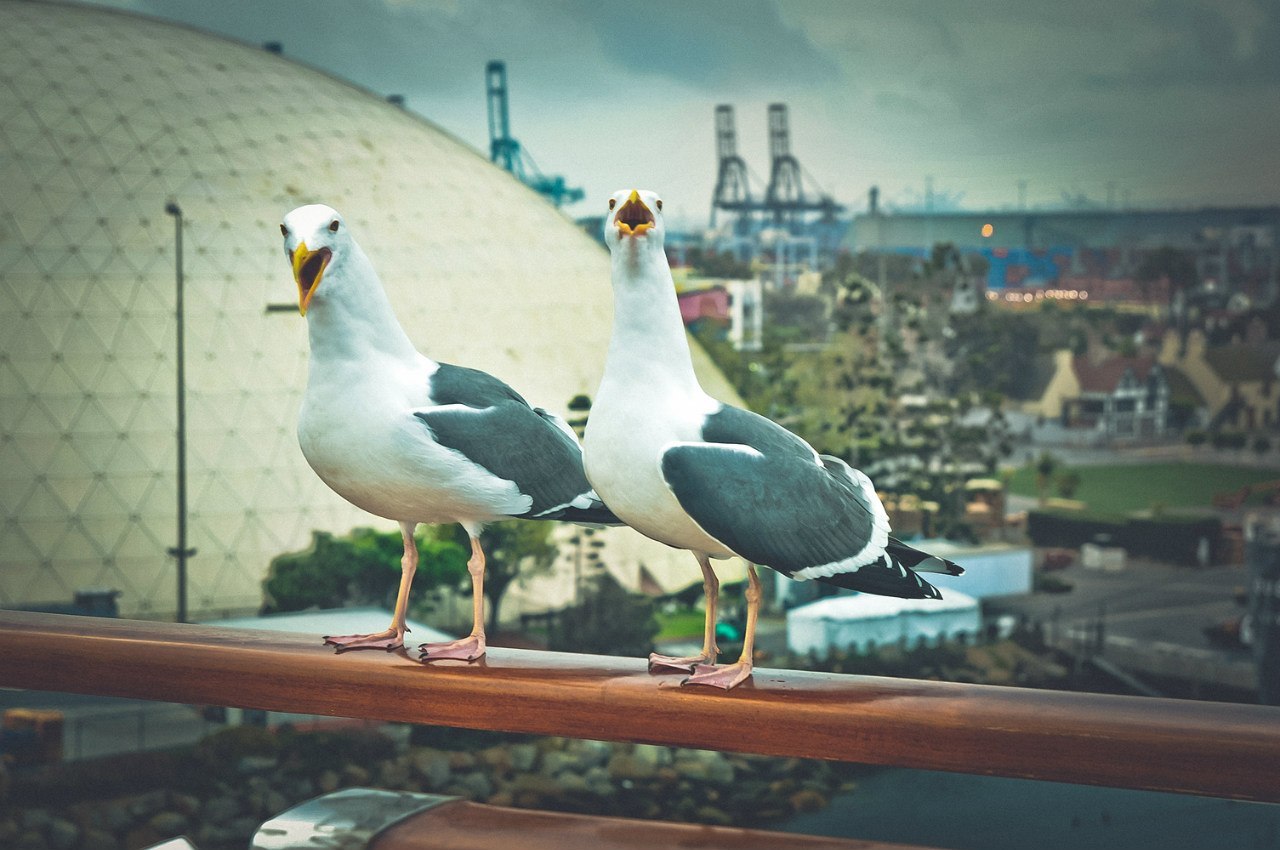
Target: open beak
(308, 268)
(634, 218)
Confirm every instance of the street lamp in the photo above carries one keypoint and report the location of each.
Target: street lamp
(180, 552)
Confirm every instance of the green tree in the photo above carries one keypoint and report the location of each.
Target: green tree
(1045, 467)
(362, 568)
(609, 621)
(513, 549)
(721, 264)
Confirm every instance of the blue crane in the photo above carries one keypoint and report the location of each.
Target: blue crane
(507, 152)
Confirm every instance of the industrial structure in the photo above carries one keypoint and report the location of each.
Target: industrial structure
(1238, 248)
(507, 152)
(791, 215)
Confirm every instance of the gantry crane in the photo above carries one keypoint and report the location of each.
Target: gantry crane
(505, 151)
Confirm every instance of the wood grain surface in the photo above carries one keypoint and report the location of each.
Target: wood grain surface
(1214, 749)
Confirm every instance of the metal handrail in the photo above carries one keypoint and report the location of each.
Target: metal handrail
(1214, 749)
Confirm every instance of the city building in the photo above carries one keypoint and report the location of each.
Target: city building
(1117, 397)
(1097, 250)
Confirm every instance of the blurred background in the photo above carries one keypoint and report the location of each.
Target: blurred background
(1017, 262)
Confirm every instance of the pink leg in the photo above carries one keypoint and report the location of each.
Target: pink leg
(393, 637)
(728, 675)
(471, 647)
(710, 589)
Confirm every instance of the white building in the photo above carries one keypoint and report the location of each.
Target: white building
(861, 622)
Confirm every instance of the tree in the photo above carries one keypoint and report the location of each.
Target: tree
(513, 549)
(1045, 467)
(609, 621)
(718, 264)
(362, 568)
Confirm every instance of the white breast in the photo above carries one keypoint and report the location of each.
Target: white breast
(357, 430)
(627, 433)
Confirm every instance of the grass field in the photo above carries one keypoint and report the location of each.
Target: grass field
(680, 624)
(1125, 488)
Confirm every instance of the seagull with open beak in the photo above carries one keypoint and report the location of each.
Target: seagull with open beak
(696, 474)
(411, 439)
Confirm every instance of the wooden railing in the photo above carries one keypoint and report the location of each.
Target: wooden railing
(1213, 749)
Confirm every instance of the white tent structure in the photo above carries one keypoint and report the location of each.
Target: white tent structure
(861, 622)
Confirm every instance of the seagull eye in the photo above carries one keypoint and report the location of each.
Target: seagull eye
(659, 206)
(284, 231)
(333, 226)
(613, 202)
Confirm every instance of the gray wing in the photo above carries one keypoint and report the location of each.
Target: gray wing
(780, 511)
(765, 493)
(490, 424)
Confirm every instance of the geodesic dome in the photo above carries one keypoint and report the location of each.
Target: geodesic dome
(104, 119)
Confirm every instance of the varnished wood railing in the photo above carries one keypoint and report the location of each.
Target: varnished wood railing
(1214, 749)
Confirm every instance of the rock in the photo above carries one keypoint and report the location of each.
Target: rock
(354, 774)
(598, 783)
(590, 753)
(719, 770)
(399, 734)
(97, 839)
(187, 804)
(62, 834)
(498, 759)
(168, 824)
(692, 769)
(523, 757)
(652, 755)
(34, 820)
(30, 840)
(713, 816)
(704, 766)
(143, 836)
(807, 800)
(328, 781)
(275, 803)
(219, 810)
(461, 761)
(393, 774)
(626, 767)
(572, 783)
(115, 817)
(556, 762)
(254, 765)
(145, 805)
(530, 789)
(475, 785)
(432, 767)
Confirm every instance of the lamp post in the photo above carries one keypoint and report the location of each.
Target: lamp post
(180, 552)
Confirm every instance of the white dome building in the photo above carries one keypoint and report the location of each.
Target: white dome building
(105, 118)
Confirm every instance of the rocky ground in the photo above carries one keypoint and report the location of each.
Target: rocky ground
(218, 794)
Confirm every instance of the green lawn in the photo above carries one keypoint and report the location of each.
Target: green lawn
(680, 624)
(1126, 488)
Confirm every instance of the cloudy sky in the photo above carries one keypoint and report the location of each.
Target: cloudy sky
(1162, 102)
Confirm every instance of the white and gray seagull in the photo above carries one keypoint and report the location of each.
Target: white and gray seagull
(404, 437)
(686, 470)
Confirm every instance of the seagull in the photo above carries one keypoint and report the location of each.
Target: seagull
(409, 439)
(686, 470)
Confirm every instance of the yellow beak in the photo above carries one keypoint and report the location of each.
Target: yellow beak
(308, 268)
(634, 218)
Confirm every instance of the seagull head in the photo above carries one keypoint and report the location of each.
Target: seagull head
(634, 221)
(315, 237)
